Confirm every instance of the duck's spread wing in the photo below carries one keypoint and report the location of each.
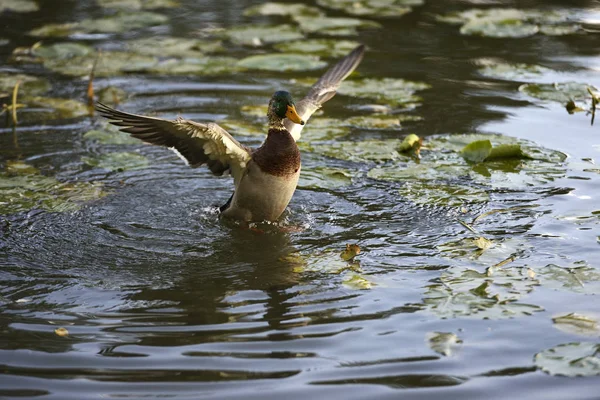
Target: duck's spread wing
(196, 143)
(325, 89)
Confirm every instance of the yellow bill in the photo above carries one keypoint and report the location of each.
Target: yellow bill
(293, 116)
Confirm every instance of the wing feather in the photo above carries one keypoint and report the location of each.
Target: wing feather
(194, 142)
(325, 89)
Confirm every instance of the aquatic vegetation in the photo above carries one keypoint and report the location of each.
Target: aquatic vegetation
(372, 8)
(20, 6)
(570, 359)
(282, 9)
(511, 72)
(318, 47)
(558, 92)
(333, 25)
(137, 4)
(30, 85)
(390, 91)
(444, 343)
(511, 22)
(23, 188)
(578, 324)
(324, 178)
(282, 62)
(121, 161)
(259, 35)
(116, 24)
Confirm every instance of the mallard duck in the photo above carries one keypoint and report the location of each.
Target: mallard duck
(265, 178)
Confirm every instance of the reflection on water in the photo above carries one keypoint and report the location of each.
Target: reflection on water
(161, 298)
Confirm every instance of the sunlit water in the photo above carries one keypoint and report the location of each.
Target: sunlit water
(163, 299)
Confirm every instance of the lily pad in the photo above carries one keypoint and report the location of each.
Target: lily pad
(375, 122)
(442, 194)
(578, 324)
(18, 6)
(30, 85)
(327, 261)
(110, 134)
(118, 161)
(174, 47)
(561, 30)
(482, 150)
(559, 92)
(499, 29)
(282, 9)
(259, 35)
(444, 343)
(511, 72)
(469, 293)
(319, 129)
(319, 47)
(111, 95)
(357, 282)
(137, 4)
(321, 178)
(570, 359)
(282, 62)
(62, 51)
(324, 24)
(122, 22)
(22, 188)
(110, 64)
(360, 151)
(375, 8)
(46, 108)
(394, 92)
(510, 22)
(201, 66)
(579, 279)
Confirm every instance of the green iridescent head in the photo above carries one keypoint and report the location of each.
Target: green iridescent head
(283, 106)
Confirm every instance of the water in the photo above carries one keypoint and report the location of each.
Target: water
(162, 299)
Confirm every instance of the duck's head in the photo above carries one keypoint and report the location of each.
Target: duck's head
(282, 106)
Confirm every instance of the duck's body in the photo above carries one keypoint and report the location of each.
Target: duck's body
(265, 178)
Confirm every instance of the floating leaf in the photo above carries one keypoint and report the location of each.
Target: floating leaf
(62, 332)
(499, 29)
(510, 22)
(444, 343)
(375, 122)
(324, 24)
(18, 6)
(468, 293)
(327, 261)
(559, 92)
(190, 66)
(319, 47)
(118, 161)
(174, 47)
(324, 178)
(62, 51)
(318, 129)
(259, 35)
(137, 4)
(570, 359)
(282, 62)
(122, 22)
(357, 282)
(351, 251)
(579, 279)
(110, 64)
(365, 150)
(21, 168)
(477, 151)
(111, 95)
(561, 30)
(46, 108)
(282, 9)
(30, 85)
(411, 143)
(577, 324)
(375, 8)
(442, 194)
(394, 92)
(110, 135)
(512, 72)
(482, 243)
(22, 188)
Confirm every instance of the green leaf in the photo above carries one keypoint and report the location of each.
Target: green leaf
(579, 279)
(444, 343)
(324, 24)
(477, 151)
(558, 92)
(570, 359)
(321, 178)
(357, 282)
(282, 9)
(319, 47)
(20, 6)
(578, 324)
(137, 4)
(259, 35)
(118, 161)
(282, 62)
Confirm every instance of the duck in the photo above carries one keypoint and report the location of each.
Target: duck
(265, 178)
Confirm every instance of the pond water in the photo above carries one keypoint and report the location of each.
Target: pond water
(475, 279)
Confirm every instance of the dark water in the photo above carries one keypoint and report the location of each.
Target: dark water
(161, 299)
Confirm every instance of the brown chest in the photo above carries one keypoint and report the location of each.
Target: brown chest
(279, 155)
